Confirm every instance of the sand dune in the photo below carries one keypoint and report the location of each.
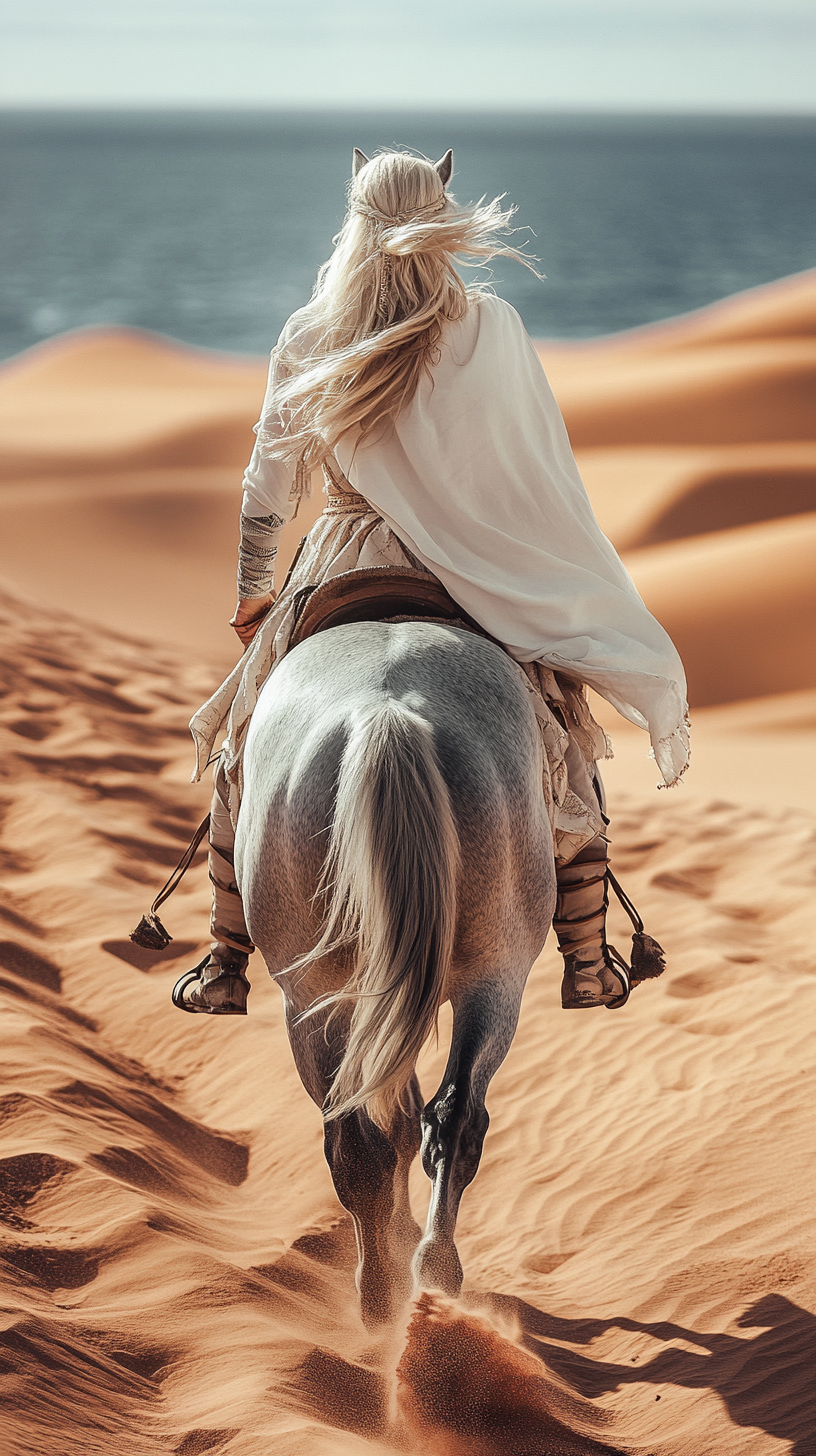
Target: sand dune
(121, 455)
(740, 371)
(739, 392)
(124, 399)
(152, 551)
(177, 1274)
(647, 495)
(758, 751)
(785, 309)
(782, 310)
(740, 604)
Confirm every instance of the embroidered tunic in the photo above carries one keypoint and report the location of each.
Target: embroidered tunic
(477, 479)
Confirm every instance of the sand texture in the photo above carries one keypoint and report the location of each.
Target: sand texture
(639, 1245)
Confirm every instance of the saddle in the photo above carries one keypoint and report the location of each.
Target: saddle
(376, 594)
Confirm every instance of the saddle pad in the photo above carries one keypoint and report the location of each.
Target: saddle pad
(373, 594)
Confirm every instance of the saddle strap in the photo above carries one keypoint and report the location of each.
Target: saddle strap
(370, 594)
(150, 934)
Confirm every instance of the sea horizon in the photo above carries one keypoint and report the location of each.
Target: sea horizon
(208, 225)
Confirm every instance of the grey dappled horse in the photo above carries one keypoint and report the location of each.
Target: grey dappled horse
(393, 839)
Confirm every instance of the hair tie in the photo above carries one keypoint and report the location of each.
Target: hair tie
(367, 209)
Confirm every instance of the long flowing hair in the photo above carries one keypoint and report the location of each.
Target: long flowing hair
(354, 356)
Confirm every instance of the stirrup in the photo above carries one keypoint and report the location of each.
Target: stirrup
(613, 962)
(231, 992)
(620, 969)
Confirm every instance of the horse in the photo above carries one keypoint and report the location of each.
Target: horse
(394, 852)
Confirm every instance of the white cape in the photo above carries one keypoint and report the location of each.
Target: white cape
(476, 476)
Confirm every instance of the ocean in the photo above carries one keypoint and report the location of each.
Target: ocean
(210, 227)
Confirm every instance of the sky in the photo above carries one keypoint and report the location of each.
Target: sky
(618, 55)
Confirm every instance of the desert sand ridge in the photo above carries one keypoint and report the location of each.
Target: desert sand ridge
(98, 399)
(639, 1246)
(654, 494)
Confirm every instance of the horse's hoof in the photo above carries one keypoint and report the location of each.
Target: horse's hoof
(378, 1308)
(437, 1266)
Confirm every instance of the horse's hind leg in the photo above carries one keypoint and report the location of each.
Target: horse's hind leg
(455, 1121)
(369, 1170)
(404, 1133)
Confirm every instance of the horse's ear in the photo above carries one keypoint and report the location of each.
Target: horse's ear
(445, 167)
(358, 160)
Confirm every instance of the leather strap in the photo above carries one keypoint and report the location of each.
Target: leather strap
(182, 867)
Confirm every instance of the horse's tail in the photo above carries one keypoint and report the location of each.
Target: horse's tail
(391, 876)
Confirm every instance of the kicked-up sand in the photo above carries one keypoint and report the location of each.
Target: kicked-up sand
(639, 1244)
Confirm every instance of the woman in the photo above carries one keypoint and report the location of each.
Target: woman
(443, 449)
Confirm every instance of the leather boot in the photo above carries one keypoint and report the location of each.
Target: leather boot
(218, 986)
(594, 973)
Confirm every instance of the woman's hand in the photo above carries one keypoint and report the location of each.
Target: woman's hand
(248, 616)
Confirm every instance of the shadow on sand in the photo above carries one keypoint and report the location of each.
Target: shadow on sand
(764, 1380)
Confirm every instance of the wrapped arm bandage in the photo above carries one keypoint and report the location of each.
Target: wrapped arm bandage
(256, 554)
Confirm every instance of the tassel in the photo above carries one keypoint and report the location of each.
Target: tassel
(150, 934)
(648, 958)
(302, 483)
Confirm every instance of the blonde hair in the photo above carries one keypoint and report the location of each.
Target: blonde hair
(354, 356)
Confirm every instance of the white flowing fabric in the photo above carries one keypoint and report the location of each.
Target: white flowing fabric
(476, 476)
